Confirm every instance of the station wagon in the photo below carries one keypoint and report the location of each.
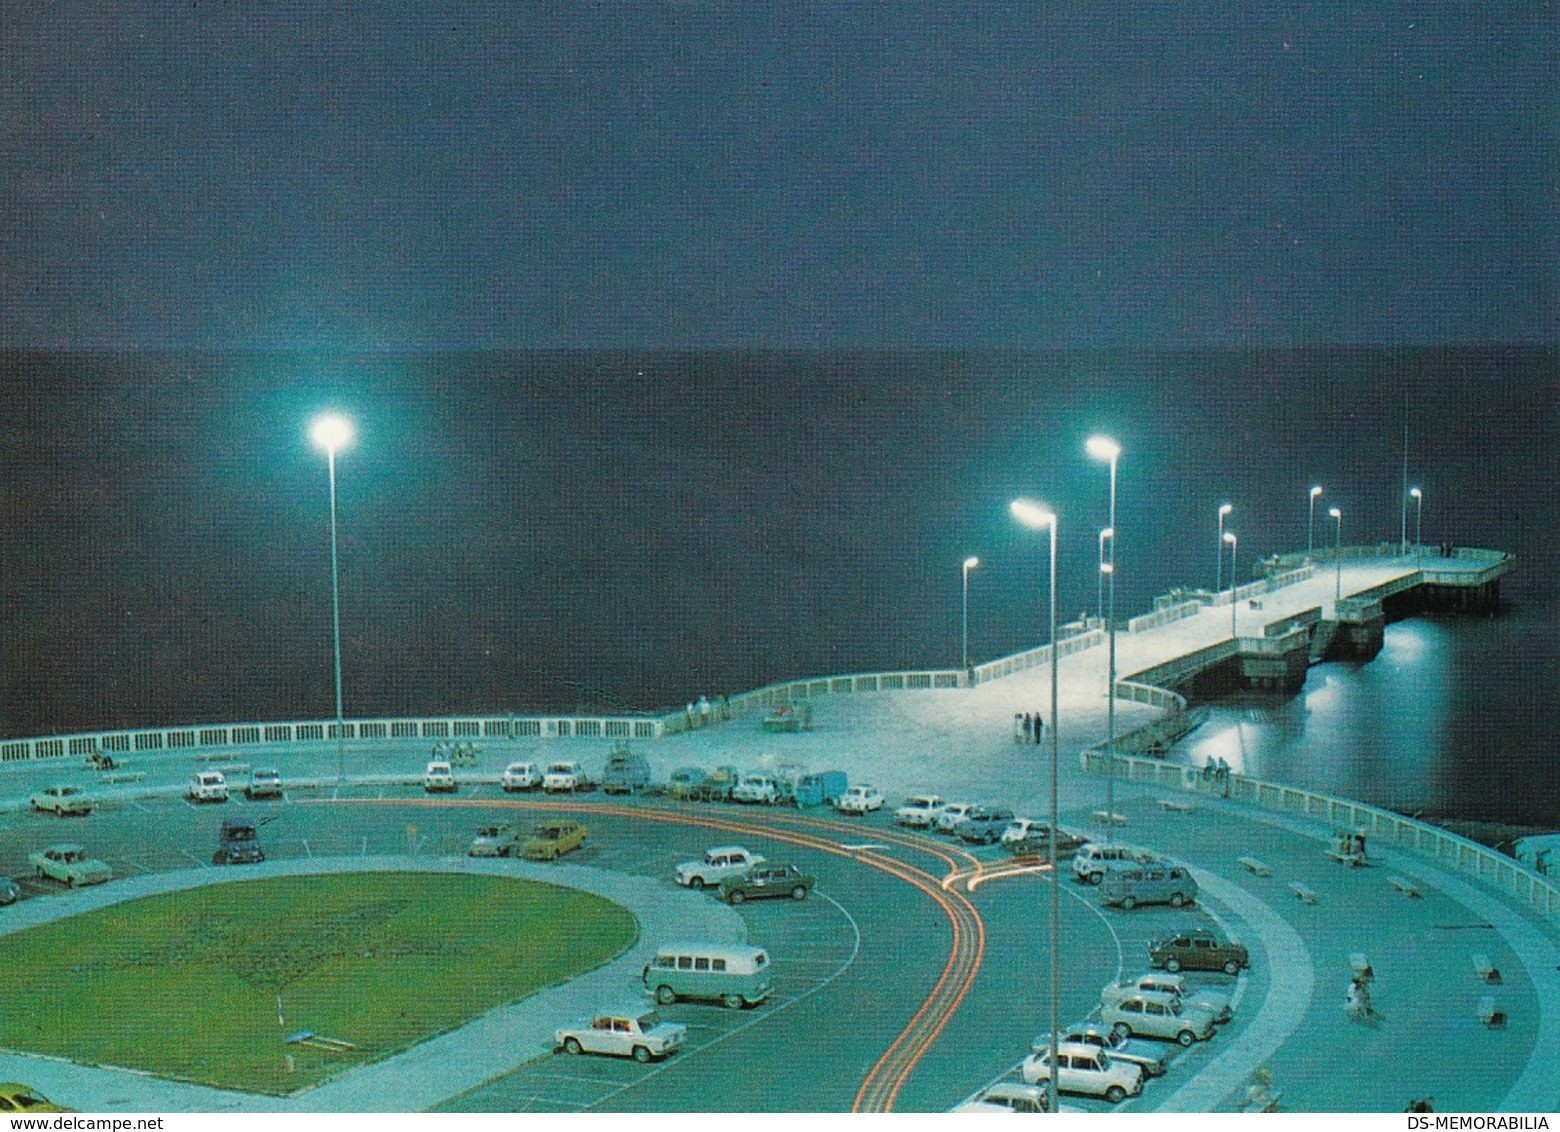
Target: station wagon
(766, 879)
(1198, 950)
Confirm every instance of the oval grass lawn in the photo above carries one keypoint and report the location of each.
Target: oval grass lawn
(186, 985)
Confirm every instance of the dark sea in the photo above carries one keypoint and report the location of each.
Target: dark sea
(567, 531)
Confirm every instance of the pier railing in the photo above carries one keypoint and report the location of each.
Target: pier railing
(1458, 854)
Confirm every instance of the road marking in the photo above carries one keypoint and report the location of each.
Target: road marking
(306, 851)
(197, 860)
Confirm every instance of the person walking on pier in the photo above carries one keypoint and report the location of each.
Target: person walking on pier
(1039, 728)
(1020, 725)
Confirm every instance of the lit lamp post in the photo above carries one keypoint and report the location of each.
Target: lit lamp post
(331, 432)
(1419, 514)
(1229, 537)
(1105, 568)
(969, 564)
(1218, 575)
(1337, 558)
(1310, 525)
(1037, 517)
(1104, 448)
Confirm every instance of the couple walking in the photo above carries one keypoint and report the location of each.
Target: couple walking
(1028, 727)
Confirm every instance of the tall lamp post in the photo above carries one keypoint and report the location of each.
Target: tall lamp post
(1419, 515)
(1337, 559)
(969, 564)
(1104, 448)
(1310, 525)
(1218, 575)
(1229, 537)
(1036, 517)
(1105, 568)
(332, 432)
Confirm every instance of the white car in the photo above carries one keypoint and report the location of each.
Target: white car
(1085, 1069)
(634, 1032)
(1215, 1002)
(70, 865)
(564, 776)
(207, 786)
(950, 815)
(919, 810)
(1008, 1096)
(63, 800)
(756, 788)
(1155, 1014)
(520, 776)
(719, 862)
(439, 778)
(1149, 1055)
(859, 800)
(264, 782)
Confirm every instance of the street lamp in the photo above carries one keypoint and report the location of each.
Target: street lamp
(1229, 537)
(331, 432)
(1338, 558)
(1310, 526)
(1104, 448)
(1105, 568)
(1419, 514)
(1218, 576)
(969, 564)
(1036, 517)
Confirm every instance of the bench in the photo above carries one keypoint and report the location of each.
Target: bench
(1355, 859)
(120, 777)
(1405, 886)
(1256, 866)
(1487, 972)
(1360, 965)
(1488, 1012)
(1175, 806)
(1302, 892)
(1102, 817)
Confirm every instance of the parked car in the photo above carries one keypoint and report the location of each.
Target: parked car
(1084, 1068)
(1027, 835)
(10, 891)
(25, 1099)
(553, 839)
(520, 776)
(919, 810)
(238, 843)
(1008, 1096)
(497, 840)
(860, 799)
(625, 772)
(63, 800)
(630, 1032)
(950, 815)
(766, 879)
(70, 865)
(264, 782)
(719, 863)
(733, 974)
(756, 788)
(1214, 1002)
(1155, 1014)
(564, 776)
(983, 825)
(1132, 884)
(207, 786)
(1198, 949)
(684, 782)
(1094, 857)
(439, 778)
(1147, 1055)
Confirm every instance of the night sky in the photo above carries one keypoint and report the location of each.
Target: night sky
(311, 175)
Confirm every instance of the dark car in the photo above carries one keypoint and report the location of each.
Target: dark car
(1198, 950)
(237, 843)
(984, 825)
(9, 890)
(766, 879)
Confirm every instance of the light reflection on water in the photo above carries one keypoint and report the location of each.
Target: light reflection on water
(1453, 718)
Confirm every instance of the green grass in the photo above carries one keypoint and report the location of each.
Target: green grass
(186, 985)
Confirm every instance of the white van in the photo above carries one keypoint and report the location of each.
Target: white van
(735, 974)
(207, 786)
(1131, 884)
(1092, 859)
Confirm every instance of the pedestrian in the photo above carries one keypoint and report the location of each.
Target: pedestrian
(704, 710)
(1018, 727)
(1259, 1094)
(1039, 728)
(1027, 728)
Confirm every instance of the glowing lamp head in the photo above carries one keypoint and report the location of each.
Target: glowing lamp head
(1226, 508)
(1229, 537)
(1315, 491)
(331, 432)
(1033, 515)
(1102, 448)
(1107, 568)
(971, 562)
(1416, 493)
(1335, 513)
